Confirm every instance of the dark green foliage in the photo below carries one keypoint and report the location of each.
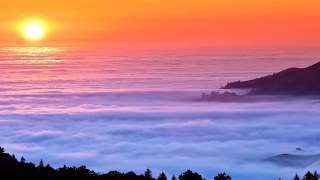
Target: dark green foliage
(189, 175)
(222, 176)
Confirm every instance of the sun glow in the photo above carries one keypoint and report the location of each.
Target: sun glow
(34, 31)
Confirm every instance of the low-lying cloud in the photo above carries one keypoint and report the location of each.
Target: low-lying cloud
(165, 134)
(127, 111)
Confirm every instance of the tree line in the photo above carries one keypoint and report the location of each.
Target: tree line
(11, 168)
(308, 176)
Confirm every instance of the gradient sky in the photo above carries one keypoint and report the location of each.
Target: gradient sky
(165, 23)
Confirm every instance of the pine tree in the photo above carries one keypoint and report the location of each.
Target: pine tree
(173, 177)
(296, 177)
(148, 174)
(189, 175)
(41, 163)
(1, 150)
(315, 175)
(308, 176)
(23, 160)
(162, 176)
(222, 176)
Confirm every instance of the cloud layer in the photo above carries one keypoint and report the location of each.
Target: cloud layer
(121, 112)
(164, 135)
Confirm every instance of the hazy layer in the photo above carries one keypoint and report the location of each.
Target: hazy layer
(118, 110)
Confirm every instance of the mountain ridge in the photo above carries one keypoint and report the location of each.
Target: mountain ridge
(292, 81)
(292, 160)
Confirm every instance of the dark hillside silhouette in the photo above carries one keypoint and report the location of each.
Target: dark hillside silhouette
(292, 81)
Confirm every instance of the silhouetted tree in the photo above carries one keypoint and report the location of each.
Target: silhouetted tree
(48, 172)
(80, 173)
(189, 175)
(222, 176)
(114, 175)
(13, 156)
(315, 175)
(10, 168)
(296, 177)
(308, 176)
(162, 176)
(22, 160)
(1, 150)
(41, 164)
(173, 177)
(148, 174)
(85, 173)
(129, 176)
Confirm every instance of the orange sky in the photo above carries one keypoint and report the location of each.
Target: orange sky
(165, 23)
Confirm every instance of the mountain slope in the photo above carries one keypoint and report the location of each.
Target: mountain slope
(292, 81)
(291, 160)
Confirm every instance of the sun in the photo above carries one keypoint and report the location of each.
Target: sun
(34, 31)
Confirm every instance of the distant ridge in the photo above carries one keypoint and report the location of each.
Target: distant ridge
(291, 160)
(292, 81)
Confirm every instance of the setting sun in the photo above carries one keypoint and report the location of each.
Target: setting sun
(34, 31)
(146, 89)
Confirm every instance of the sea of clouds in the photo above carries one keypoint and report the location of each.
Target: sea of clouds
(129, 116)
(165, 135)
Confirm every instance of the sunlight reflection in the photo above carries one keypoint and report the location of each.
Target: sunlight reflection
(35, 51)
(32, 55)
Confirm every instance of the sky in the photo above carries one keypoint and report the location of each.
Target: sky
(164, 23)
(106, 109)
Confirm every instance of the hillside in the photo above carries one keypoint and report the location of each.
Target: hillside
(291, 160)
(292, 81)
